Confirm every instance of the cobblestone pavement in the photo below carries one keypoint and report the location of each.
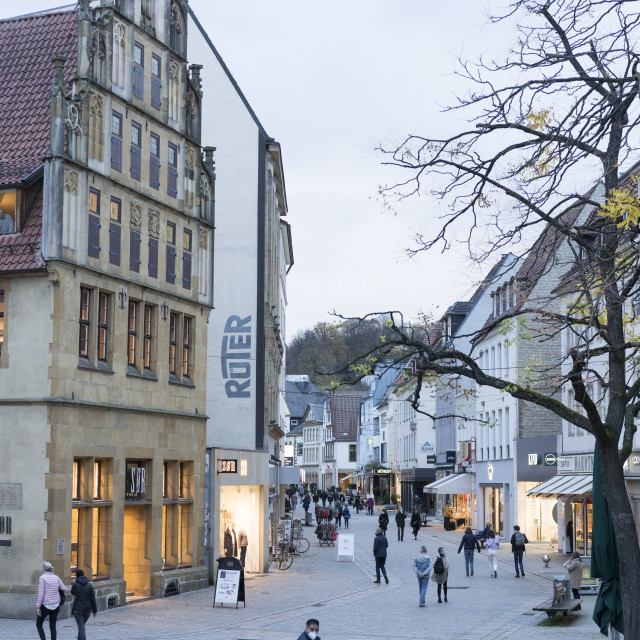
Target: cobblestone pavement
(347, 603)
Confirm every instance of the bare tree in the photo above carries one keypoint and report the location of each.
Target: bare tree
(552, 129)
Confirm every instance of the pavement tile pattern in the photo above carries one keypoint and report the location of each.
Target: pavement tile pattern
(347, 603)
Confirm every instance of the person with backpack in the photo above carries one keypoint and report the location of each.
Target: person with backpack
(441, 573)
(383, 521)
(416, 523)
(518, 542)
(422, 567)
(401, 516)
(469, 542)
(492, 544)
(84, 603)
(346, 514)
(337, 513)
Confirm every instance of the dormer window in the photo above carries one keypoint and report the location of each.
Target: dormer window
(7, 212)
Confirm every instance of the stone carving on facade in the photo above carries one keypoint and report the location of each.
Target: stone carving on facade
(98, 46)
(192, 110)
(135, 216)
(154, 223)
(205, 187)
(95, 104)
(72, 121)
(175, 21)
(189, 157)
(174, 71)
(71, 182)
(118, 34)
(204, 239)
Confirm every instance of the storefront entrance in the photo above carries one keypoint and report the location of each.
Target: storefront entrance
(137, 550)
(583, 526)
(494, 508)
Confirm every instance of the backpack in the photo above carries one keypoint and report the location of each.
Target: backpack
(520, 539)
(438, 565)
(423, 567)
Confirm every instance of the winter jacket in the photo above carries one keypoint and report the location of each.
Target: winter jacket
(469, 541)
(242, 539)
(369, 502)
(440, 578)
(513, 542)
(415, 521)
(85, 600)
(380, 545)
(304, 636)
(48, 589)
(422, 565)
(346, 513)
(492, 544)
(383, 520)
(306, 502)
(574, 569)
(401, 516)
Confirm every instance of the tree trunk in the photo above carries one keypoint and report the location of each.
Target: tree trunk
(615, 491)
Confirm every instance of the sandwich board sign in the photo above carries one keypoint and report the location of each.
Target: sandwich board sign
(229, 582)
(347, 546)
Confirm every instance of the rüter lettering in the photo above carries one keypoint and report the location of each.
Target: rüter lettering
(235, 357)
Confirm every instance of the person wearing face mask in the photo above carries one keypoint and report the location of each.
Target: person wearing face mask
(311, 630)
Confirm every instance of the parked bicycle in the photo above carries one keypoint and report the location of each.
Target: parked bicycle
(284, 557)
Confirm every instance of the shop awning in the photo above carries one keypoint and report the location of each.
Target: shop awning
(565, 485)
(455, 483)
(287, 475)
(352, 475)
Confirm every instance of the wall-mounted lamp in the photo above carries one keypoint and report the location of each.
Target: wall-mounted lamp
(165, 309)
(122, 296)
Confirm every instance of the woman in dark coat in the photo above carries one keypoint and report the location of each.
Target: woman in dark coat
(415, 523)
(383, 521)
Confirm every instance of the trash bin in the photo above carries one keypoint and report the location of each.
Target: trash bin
(307, 518)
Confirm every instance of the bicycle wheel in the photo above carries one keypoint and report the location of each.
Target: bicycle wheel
(284, 561)
(303, 545)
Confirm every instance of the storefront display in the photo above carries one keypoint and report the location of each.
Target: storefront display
(240, 517)
(494, 508)
(583, 526)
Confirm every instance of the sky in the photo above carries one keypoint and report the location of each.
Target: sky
(331, 81)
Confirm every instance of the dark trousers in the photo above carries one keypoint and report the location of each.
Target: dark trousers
(440, 587)
(447, 523)
(576, 596)
(243, 555)
(81, 620)
(400, 533)
(53, 617)
(346, 523)
(380, 567)
(517, 560)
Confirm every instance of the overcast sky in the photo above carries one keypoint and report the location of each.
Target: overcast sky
(330, 81)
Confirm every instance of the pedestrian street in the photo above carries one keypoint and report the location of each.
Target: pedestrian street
(347, 603)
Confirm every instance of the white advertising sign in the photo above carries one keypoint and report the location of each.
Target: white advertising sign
(347, 546)
(227, 586)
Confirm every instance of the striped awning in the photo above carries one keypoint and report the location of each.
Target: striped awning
(564, 485)
(455, 483)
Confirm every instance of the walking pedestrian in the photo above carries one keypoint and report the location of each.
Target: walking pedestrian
(48, 601)
(337, 513)
(441, 573)
(422, 567)
(383, 520)
(401, 516)
(294, 501)
(518, 541)
(357, 503)
(446, 514)
(324, 497)
(574, 569)
(370, 505)
(346, 514)
(469, 542)
(415, 523)
(311, 630)
(492, 544)
(306, 501)
(380, 545)
(84, 603)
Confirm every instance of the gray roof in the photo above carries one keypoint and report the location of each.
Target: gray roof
(299, 393)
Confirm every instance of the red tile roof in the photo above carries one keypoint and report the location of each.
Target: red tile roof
(23, 251)
(27, 45)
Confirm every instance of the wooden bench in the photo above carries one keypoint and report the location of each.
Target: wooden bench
(562, 600)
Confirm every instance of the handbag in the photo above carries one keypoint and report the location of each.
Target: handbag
(62, 596)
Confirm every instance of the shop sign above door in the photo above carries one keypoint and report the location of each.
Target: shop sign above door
(228, 466)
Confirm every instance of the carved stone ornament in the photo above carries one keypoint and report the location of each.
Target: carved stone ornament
(189, 157)
(98, 46)
(205, 187)
(95, 104)
(191, 105)
(175, 20)
(135, 216)
(73, 119)
(174, 71)
(204, 239)
(154, 224)
(71, 182)
(118, 34)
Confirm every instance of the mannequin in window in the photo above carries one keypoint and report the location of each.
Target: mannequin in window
(230, 542)
(243, 541)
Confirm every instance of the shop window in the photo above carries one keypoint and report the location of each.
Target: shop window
(103, 325)
(240, 514)
(85, 322)
(134, 251)
(156, 81)
(136, 150)
(187, 347)
(135, 480)
(171, 253)
(154, 161)
(93, 248)
(116, 141)
(172, 170)
(173, 344)
(138, 71)
(148, 337)
(186, 259)
(115, 211)
(153, 257)
(132, 335)
(96, 135)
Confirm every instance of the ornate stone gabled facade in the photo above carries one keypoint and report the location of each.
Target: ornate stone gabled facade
(104, 304)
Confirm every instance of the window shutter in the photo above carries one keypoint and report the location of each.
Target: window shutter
(138, 82)
(156, 92)
(172, 181)
(114, 244)
(134, 252)
(135, 162)
(154, 172)
(94, 236)
(171, 264)
(153, 258)
(186, 270)
(116, 153)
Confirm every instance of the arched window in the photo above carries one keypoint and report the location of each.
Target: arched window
(98, 56)
(96, 136)
(177, 30)
(119, 55)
